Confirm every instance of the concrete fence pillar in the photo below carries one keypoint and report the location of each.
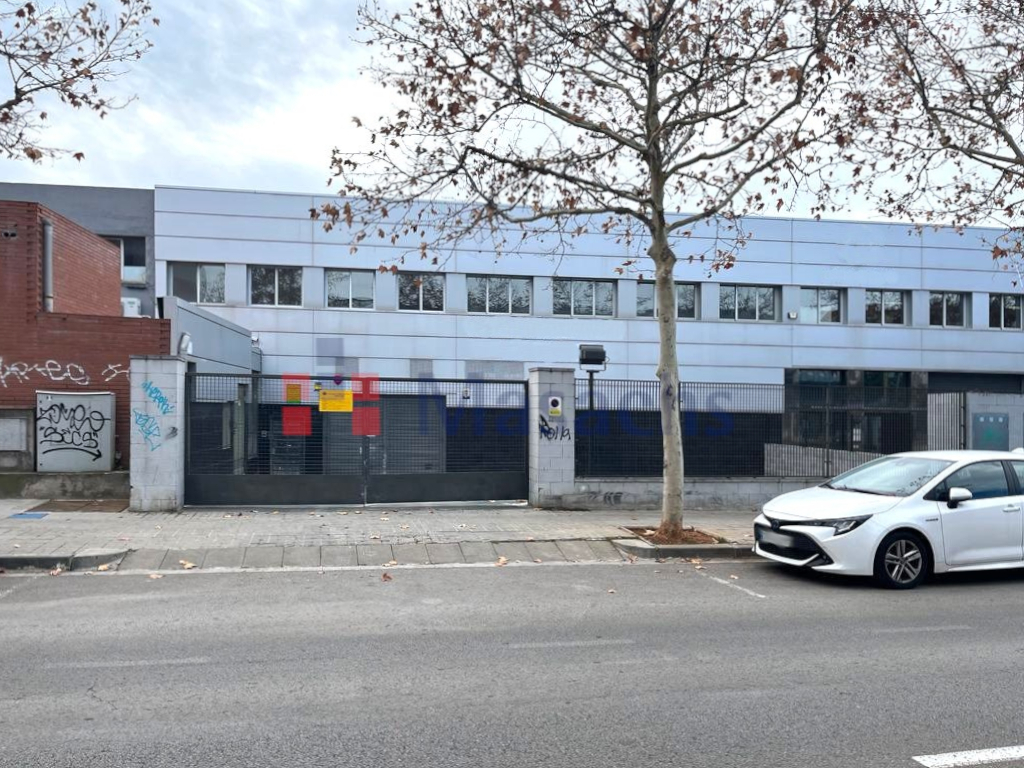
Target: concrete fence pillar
(552, 435)
(157, 421)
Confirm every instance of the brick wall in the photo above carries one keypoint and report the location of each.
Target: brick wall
(85, 345)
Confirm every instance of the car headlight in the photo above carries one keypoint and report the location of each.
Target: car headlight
(845, 525)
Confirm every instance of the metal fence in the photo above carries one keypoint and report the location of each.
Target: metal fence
(372, 438)
(746, 430)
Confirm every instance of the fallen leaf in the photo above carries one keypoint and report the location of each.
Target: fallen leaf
(695, 560)
(384, 519)
(660, 560)
(537, 560)
(734, 576)
(502, 560)
(312, 513)
(385, 576)
(104, 567)
(530, 538)
(699, 568)
(649, 532)
(631, 558)
(156, 575)
(88, 573)
(57, 571)
(17, 546)
(228, 516)
(343, 513)
(404, 527)
(611, 591)
(359, 512)
(391, 562)
(159, 527)
(123, 538)
(276, 512)
(186, 565)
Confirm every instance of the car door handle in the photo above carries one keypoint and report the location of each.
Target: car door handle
(1010, 509)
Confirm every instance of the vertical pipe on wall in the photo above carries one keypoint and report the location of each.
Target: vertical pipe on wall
(47, 265)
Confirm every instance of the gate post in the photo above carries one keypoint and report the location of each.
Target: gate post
(552, 430)
(157, 425)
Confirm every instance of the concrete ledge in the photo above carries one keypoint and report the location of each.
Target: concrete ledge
(64, 485)
(84, 560)
(640, 548)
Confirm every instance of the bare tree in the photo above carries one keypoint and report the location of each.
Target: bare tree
(640, 119)
(936, 100)
(65, 52)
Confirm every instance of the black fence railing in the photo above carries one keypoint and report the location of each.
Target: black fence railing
(757, 430)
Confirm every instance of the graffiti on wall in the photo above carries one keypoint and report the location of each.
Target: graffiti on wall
(14, 373)
(148, 426)
(65, 427)
(157, 397)
(554, 433)
(147, 421)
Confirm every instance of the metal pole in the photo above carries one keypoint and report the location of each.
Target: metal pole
(590, 436)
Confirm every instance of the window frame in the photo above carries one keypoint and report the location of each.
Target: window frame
(1002, 311)
(419, 291)
(197, 267)
(350, 272)
(945, 309)
(940, 490)
(817, 305)
(677, 285)
(143, 279)
(487, 295)
(277, 285)
(904, 306)
(572, 282)
(776, 290)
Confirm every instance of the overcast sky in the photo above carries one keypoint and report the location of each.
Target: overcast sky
(244, 94)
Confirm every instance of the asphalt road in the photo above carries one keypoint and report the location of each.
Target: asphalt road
(515, 666)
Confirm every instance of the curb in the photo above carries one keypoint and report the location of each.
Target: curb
(77, 561)
(640, 548)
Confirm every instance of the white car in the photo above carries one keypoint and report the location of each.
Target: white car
(902, 517)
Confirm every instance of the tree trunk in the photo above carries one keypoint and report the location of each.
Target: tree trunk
(668, 376)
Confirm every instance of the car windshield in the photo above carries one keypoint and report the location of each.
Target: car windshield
(890, 475)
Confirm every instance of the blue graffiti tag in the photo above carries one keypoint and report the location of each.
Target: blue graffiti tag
(158, 397)
(148, 428)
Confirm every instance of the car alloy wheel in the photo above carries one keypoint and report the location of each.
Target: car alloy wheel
(901, 562)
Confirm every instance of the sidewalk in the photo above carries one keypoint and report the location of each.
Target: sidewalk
(315, 536)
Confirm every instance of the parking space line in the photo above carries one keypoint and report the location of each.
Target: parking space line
(974, 757)
(733, 585)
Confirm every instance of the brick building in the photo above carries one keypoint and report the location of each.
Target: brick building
(60, 325)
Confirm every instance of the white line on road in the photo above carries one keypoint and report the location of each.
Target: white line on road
(717, 580)
(903, 630)
(975, 757)
(126, 663)
(571, 644)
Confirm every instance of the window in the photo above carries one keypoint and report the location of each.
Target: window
(821, 378)
(887, 379)
(1004, 311)
(1018, 467)
(686, 300)
(946, 309)
(746, 302)
(349, 290)
(985, 480)
(820, 305)
(421, 291)
(198, 283)
(891, 475)
(501, 295)
(275, 286)
(133, 259)
(584, 297)
(884, 307)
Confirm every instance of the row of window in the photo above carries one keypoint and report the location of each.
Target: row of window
(424, 292)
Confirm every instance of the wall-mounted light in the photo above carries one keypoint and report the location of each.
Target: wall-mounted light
(185, 345)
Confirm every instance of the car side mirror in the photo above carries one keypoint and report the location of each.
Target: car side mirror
(958, 495)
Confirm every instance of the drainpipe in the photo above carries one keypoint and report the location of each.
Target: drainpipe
(47, 265)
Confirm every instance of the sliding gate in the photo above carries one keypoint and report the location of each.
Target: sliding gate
(274, 440)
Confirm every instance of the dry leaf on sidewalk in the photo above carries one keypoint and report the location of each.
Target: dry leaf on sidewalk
(699, 568)
(404, 527)
(390, 562)
(384, 519)
(57, 571)
(359, 512)
(186, 565)
(375, 536)
(733, 576)
(537, 560)
(530, 538)
(17, 546)
(502, 560)
(385, 576)
(104, 567)
(611, 591)
(650, 532)
(156, 576)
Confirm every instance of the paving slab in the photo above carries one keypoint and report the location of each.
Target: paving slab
(229, 557)
(172, 560)
(411, 554)
(374, 554)
(479, 552)
(143, 560)
(576, 551)
(545, 551)
(263, 557)
(444, 553)
(302, 557)
(337, 555)
(605, 550)
(513, 551)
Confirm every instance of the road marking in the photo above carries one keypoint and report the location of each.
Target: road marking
(903, 630)
(571, 644)
(5, 592)
(129, 663)
(733, 585)
(975, 757)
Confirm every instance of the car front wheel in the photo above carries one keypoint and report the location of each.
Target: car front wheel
(901, 561)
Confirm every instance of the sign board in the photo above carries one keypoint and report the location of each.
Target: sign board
(554, 406)
(336, 400)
